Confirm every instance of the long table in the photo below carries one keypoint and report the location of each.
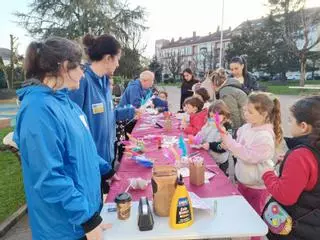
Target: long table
(235, 217)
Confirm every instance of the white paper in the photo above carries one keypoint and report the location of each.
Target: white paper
(185, 172)
(197, 202)
(208, 176)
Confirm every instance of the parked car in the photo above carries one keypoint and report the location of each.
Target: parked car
(316, 76)
(262, 75)
(293, 76)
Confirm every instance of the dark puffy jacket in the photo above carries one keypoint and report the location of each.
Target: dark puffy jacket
(250, 83)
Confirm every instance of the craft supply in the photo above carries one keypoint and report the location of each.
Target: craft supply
(145, 219)
(182, 163)
(197, 171)
(181, 212)
(143, 161)
(123, 201)
(168, 124)
(183, 146)
(158, 125)
(139, 183)
(163, 187)
(194, 154)
(195, 140)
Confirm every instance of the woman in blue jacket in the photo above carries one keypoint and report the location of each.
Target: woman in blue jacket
(61, 167)
(94, 96)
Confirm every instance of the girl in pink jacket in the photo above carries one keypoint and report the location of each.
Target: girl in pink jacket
(255, 146)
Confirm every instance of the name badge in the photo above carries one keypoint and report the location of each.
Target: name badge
(97, 108)
(84, 121)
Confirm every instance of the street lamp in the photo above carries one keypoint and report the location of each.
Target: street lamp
(221, 34)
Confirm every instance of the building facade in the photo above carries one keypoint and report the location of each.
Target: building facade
(200, 53)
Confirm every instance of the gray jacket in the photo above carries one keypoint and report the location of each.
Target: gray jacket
(235, 98)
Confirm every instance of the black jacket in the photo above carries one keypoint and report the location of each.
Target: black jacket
(250, 83)
(186, 90)
(306, 211)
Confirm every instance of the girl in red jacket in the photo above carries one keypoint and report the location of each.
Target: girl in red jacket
(198, 117)
(297, 188)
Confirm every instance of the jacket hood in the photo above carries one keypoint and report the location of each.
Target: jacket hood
(233, 81)
(296, 141)
(29, 90)
(135, 83)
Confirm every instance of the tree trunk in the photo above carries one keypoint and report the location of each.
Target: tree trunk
(303, 64)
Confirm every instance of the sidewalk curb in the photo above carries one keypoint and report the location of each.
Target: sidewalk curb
(12, 220)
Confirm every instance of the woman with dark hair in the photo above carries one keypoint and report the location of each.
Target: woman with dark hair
(61, 167)
(186, 87)
(238, 67)
(95, 95)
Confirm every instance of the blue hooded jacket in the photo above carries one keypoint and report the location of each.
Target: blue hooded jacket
(160, 104)
(134, 94)
(94, 97)
(61, 167)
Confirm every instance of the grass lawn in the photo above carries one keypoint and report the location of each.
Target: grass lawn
(283, 89)
(11, 183)
(278, 88)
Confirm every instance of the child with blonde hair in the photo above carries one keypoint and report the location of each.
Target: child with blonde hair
(255, 146)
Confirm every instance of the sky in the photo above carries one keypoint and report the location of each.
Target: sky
(166, 19)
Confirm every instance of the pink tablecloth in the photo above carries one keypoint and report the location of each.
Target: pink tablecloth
(218, 186)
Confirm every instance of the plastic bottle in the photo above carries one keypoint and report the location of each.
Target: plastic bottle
(181, 212)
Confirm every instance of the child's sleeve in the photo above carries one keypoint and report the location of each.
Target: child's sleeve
(260, 150)
(124, 113)
(191, 129)
(297, 171)
(195, 125)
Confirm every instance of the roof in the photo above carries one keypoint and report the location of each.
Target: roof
(197, 39)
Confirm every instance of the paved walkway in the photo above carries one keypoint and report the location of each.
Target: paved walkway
(8, 110)
(21, 230)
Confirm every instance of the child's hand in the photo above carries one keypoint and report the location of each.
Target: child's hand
(138, 113)
(115, 177)
(263, 169)
(280, 158)
(224, 146)
(205, 146)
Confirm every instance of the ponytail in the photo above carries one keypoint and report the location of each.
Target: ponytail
(31, 62)
(276, 120)
(245, 67)
(266, 102)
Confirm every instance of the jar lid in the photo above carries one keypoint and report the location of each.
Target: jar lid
(123, 197)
